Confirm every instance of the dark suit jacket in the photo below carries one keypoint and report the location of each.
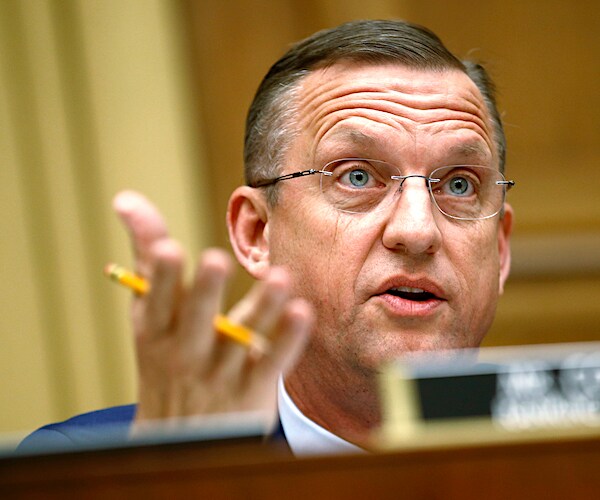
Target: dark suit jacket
(106, 426)
(100, 428)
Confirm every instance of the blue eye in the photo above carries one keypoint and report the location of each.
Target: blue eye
(459, 186)
(358, 178)
(355, 174)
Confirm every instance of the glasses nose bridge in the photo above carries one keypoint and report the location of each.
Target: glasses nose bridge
(396, 193)
(402, 178)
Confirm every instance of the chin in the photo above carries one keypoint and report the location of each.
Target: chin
(411, 348)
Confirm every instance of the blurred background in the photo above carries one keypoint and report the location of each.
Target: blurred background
(101, 95)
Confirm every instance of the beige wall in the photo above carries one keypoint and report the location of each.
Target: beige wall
(94, 99)
(98, 95)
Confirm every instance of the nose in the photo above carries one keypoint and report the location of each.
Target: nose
(412, 224)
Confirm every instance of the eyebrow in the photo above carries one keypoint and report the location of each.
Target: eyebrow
(470, 149)
(339, 141)
(356, 136)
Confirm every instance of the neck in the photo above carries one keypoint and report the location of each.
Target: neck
(346, 404)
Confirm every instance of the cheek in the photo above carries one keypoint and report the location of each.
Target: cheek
(486, 257)
(303, 243)
(324, 252)
(477, 262)
(474, 251)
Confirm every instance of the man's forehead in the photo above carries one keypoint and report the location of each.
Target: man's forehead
(393, 75)
(330, 95)
(400, 87)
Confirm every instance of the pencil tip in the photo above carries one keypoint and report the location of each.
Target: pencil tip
(109, 269)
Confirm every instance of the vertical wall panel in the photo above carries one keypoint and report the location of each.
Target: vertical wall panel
(97, 98)
(21, 318)
(39, 222)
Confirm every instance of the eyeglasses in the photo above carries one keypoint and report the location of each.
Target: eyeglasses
(360, 185)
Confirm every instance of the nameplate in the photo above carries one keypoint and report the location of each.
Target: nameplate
(530, 387)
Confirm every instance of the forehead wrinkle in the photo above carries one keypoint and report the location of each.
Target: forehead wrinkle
(476, 148)
(317, 90)
(329, 121)
(460, 121)
(328, 97)
(399, 104)
(393, 109)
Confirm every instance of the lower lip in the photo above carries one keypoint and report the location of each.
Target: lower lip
(398, 306)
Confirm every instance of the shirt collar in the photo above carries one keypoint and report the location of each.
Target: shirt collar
(304, 436)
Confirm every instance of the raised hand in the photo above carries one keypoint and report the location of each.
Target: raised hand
(185, 368)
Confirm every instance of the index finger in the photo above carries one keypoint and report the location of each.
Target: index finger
(145, 226)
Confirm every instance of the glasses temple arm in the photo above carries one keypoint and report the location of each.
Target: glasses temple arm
(268, 182)
(508, 184)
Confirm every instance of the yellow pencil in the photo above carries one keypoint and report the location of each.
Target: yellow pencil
(240, 333)
(222, 324)
(127, 278)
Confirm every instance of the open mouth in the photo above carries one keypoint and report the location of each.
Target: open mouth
(409, 293)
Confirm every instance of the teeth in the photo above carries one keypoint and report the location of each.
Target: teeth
(408, 289)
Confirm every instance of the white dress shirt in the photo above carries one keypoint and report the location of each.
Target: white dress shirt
(304, 436)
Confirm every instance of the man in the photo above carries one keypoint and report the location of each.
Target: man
(373, 216)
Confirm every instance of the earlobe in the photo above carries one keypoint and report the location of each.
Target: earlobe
(505, 226)
(248, 226)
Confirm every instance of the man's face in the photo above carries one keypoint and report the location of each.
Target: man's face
(355, 268)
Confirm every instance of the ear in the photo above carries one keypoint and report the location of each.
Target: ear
(505, 226)
(248, 226)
